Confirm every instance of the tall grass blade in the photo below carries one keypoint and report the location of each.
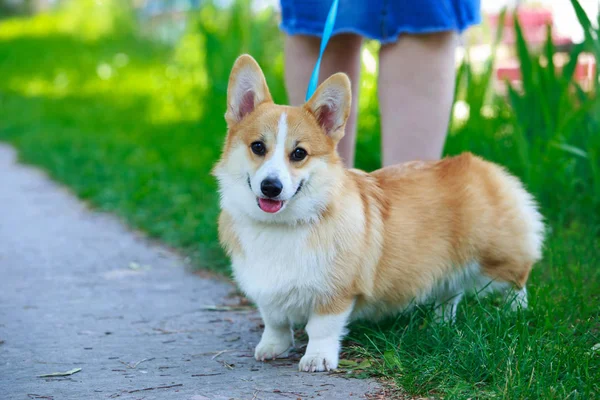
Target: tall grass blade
(549, 51)
(592, 37)
(570, 149)
(514, 97)
(460, 82)
(574, 115)
(594, 156)
(521, 127)
(569, 68)
(491, 61)
(590, 33)
(525, 58)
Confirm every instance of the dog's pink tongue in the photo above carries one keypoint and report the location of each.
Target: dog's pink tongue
(270, 206)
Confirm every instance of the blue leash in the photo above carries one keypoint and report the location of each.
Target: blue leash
(329, 23)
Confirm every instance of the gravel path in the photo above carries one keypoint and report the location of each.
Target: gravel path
(79, 290)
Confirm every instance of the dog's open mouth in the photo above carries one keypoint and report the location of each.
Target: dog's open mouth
(270, 206)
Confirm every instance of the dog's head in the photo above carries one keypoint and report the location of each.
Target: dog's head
(280, 163)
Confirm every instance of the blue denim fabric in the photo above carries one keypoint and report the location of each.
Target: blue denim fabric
(382, 20)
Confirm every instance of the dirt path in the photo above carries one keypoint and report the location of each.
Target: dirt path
(78, 290)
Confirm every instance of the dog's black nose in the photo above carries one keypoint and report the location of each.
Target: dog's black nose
(271, 187)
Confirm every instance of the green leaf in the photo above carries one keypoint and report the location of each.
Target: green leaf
(525, 59)
(56, 374)
(461, 74)
(483, 86)
(569, 69)
(353, 365)
(391, 359)
(500, 29)
(516, 101)
(581, 94)
(595, 168)
(489, 67)
(590, 34)
(549, 50)
(570, 149)
(347, 364)
(574, 115)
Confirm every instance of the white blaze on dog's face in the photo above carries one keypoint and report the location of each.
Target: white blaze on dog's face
(279, 163)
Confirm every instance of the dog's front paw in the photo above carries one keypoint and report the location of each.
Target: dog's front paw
(271, 349)
(316, 362)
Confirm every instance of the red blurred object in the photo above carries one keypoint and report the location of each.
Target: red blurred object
(534, 22)
(585, 70)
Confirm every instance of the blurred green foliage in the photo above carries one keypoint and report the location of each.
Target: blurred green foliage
(134, 127)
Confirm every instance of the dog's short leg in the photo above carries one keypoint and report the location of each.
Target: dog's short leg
(324, 334)
(518, 299)
(277, 336)
(445, 308)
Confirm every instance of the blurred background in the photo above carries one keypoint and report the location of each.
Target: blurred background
(123, 100)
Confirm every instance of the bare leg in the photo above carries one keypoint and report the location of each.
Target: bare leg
(416, 86)
(342, 55)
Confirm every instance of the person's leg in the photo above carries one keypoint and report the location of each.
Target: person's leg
(342, 55)
(416, 88)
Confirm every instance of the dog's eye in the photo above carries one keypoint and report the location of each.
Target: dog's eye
(258, 148)
(298, 154)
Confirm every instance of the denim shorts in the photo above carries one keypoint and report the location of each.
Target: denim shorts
(382, 20)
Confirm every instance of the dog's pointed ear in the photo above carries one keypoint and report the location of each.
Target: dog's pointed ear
(330, 104)
(247, 89)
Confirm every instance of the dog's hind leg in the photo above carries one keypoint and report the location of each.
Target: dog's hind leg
(446, 306)
(518, 299)
(449, 292)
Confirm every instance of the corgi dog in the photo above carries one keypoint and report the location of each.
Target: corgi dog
(313, 243)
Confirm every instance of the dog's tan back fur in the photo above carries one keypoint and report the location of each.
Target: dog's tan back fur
(439, 217)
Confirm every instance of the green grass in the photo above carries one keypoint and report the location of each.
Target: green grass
(134, 126)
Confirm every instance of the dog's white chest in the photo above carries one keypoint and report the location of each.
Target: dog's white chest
(281, 269)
